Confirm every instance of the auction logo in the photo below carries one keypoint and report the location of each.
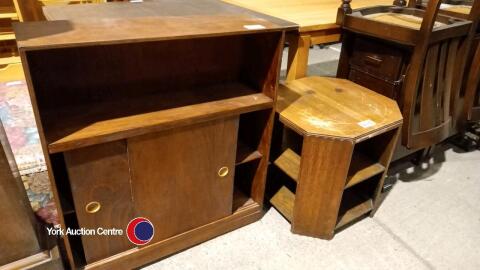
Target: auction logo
(140, 231)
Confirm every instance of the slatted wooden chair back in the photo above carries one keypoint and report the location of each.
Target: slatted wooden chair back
(428, 85)
(430, 79)
(472, 90)
(465, 100)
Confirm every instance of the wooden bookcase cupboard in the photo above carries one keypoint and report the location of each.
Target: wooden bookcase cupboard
(24, 242)
(411, 55)
(167, 118)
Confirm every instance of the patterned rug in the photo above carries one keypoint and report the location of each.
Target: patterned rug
(18, 120)
(17, 117)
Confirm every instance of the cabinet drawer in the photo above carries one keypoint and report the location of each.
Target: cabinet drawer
(382, 61)
(99, 178)
(183, 178)
(380, 86)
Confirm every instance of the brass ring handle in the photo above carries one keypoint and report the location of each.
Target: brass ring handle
(223, 171)
(93, 207)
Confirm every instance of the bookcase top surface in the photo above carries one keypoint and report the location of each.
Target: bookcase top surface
(332, 107)
(123, 22)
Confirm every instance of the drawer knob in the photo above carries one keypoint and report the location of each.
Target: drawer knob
(223, 171)
(92, 207)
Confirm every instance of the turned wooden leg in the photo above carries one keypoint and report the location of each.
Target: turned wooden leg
(346, 7)
(323, 170)
(299, 46)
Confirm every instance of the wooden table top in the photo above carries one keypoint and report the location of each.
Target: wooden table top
(334, 107)
(458, 9)
(153, 8)
(154, 20)
(310, 15)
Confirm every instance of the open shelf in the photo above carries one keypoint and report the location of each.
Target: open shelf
(74, 127)
(246, 154)
(362, 168)
(9, 60)
(289, 163)
(241, 201)
(353, 208)
(6, 33)
(284, 201)
(357, 201)
(8, 12)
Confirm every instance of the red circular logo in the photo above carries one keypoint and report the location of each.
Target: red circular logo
(140, 231)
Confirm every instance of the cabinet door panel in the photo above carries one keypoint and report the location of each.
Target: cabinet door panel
(176, 182)
(100, 174)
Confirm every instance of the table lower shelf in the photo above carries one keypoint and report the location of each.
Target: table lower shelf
(353, 207)
(361, 167)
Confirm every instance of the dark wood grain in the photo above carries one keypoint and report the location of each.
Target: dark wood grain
(83, 129)
(427, 112)
(125, 29)
(101, 174)
(154, 8)
(246, 154)
(175, 176)
(459, 95)
(472, 96)
(149, 86)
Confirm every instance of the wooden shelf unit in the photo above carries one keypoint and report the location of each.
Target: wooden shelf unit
(9, 59)
(173, 125)
(86, 125)
(8, 12)
(361, 168)
(335, 149)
